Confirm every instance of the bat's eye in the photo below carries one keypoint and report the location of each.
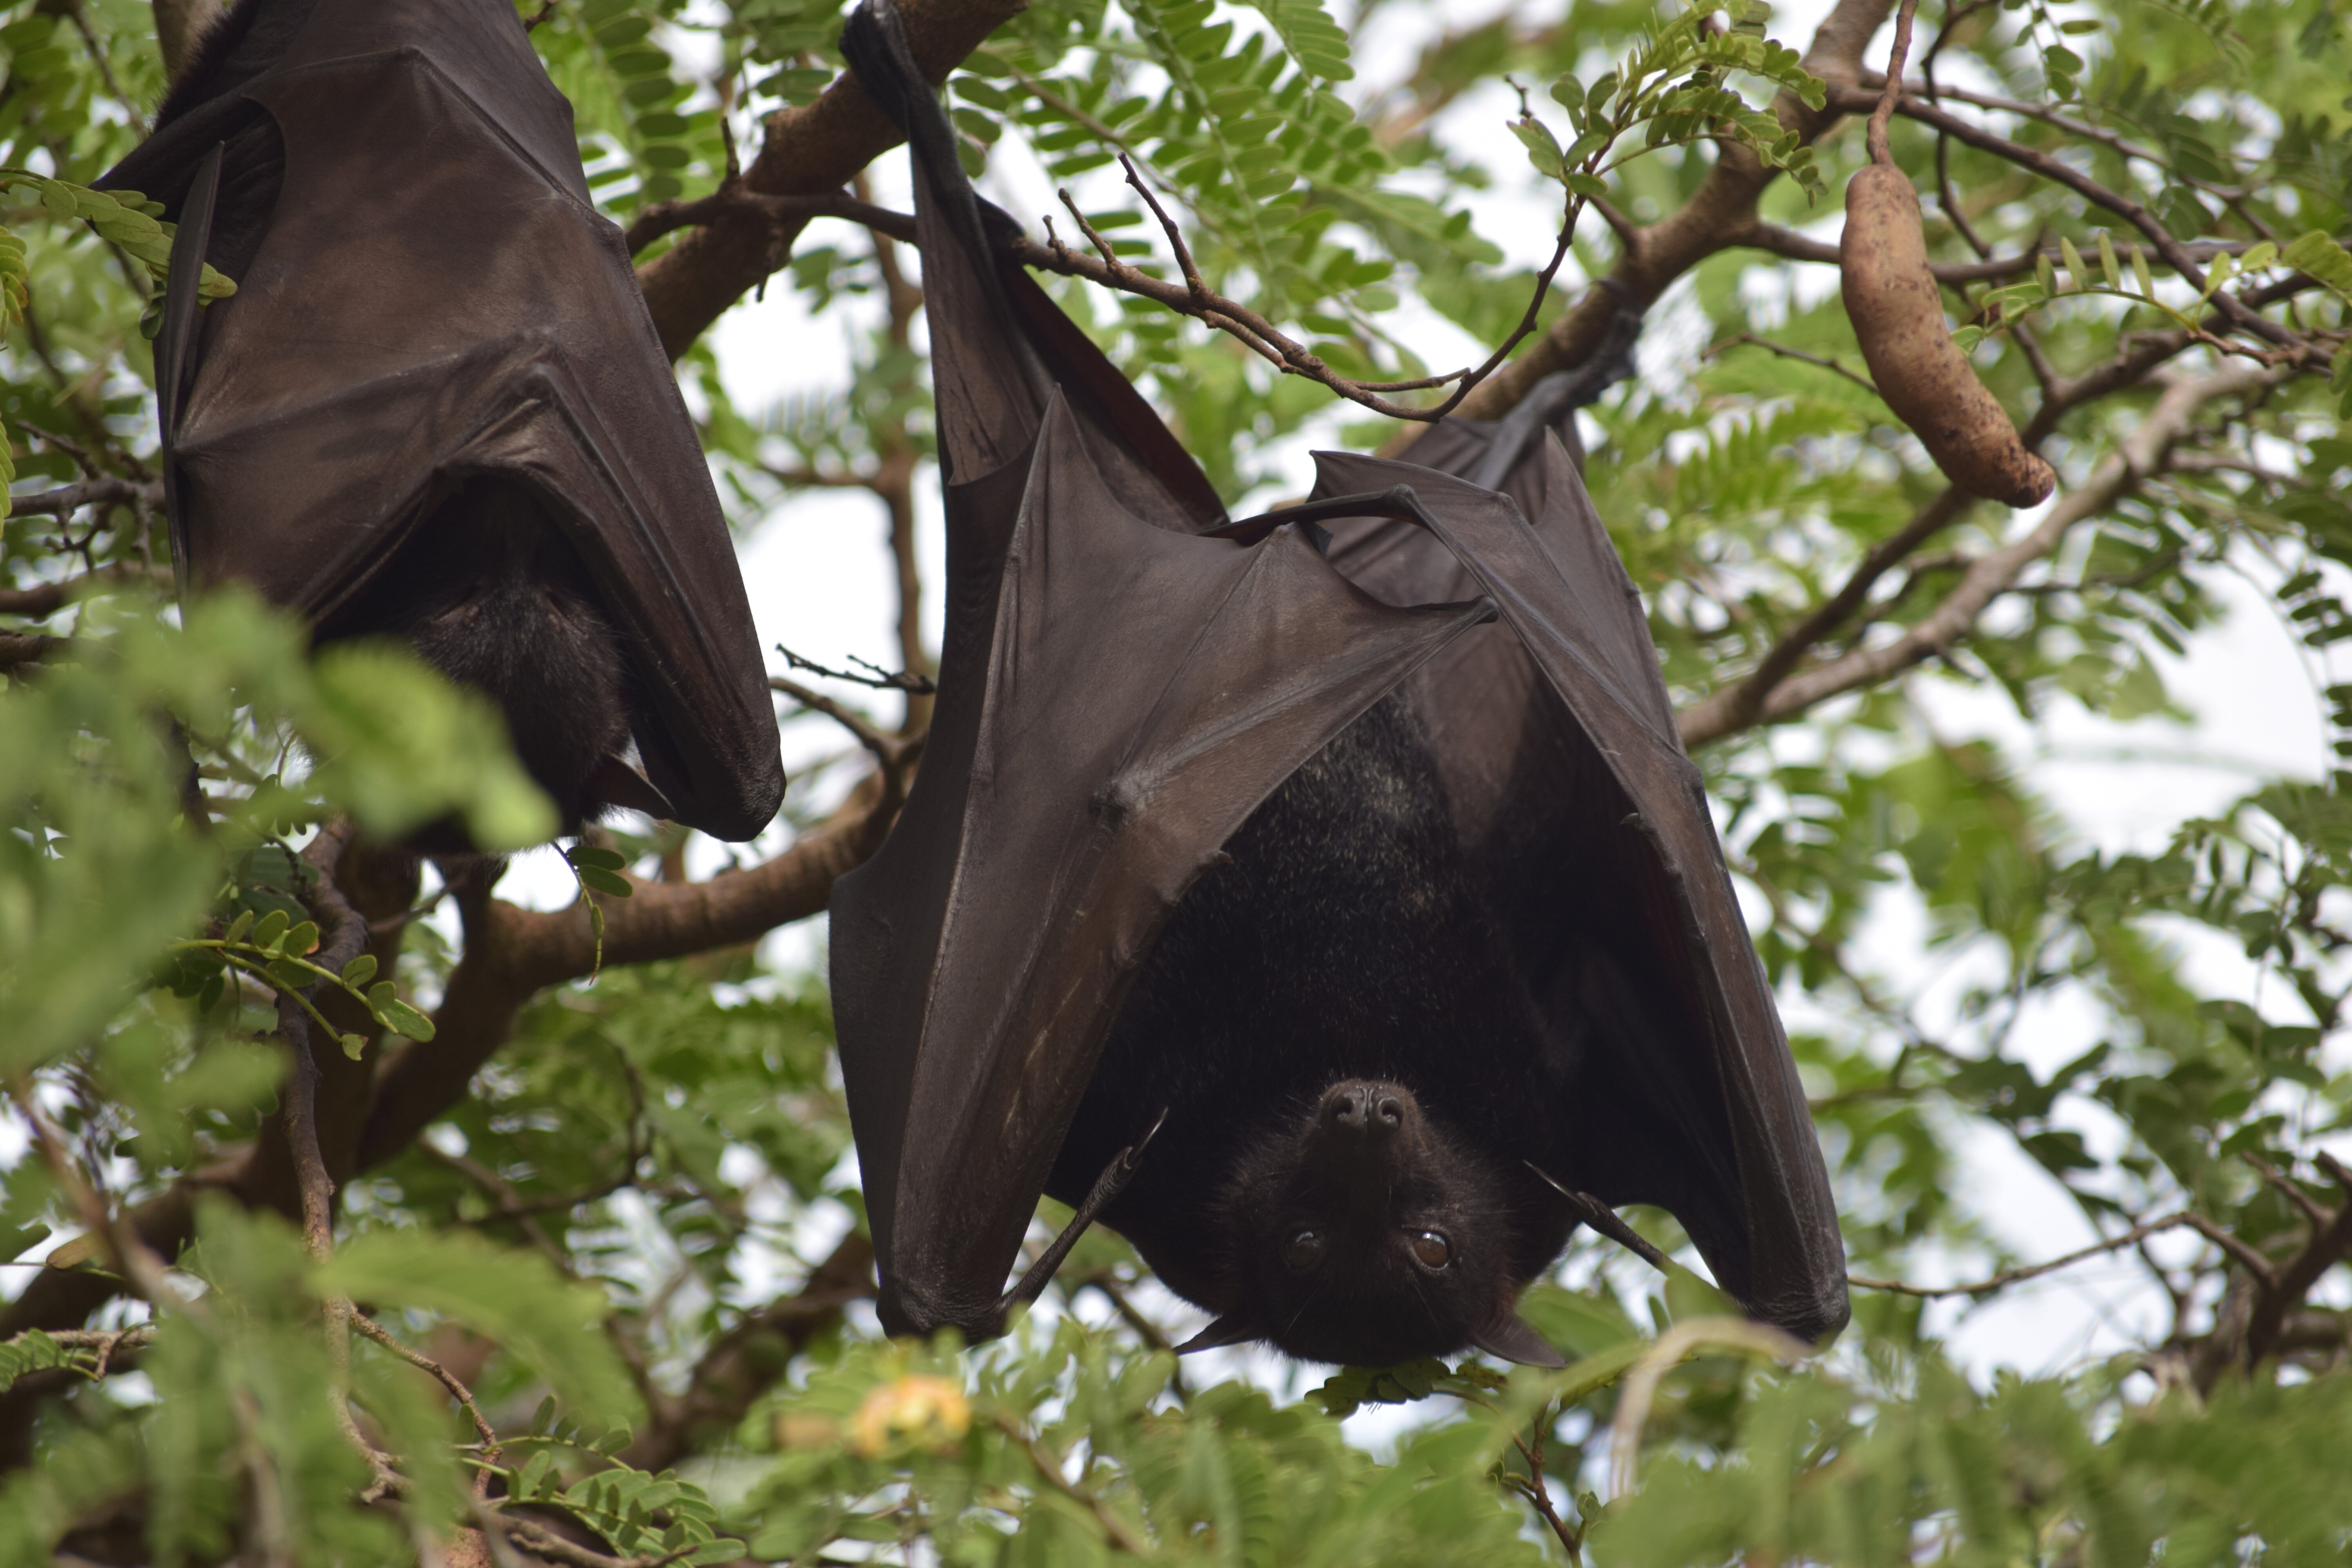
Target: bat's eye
(1431, 1249)
(1302, 1251)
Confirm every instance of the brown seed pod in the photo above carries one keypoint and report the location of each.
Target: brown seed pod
(1891, 298)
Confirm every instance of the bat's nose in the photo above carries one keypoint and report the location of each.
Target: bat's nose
(1367, 1109)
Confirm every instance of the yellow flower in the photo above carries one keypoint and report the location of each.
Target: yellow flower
(929, 1411)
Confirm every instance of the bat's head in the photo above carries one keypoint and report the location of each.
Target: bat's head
(1365, 1234)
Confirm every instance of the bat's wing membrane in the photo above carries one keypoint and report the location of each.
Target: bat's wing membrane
(435, 304)
(1691, 1100)
(1137, 694)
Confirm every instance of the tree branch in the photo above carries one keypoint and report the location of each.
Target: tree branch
(66, 500)
(1195, 299)
(2007, 1277)
(2140, 454)
(47, 598)
(1720, 213)
(735, 199)
(2329, 1243)
(513, 952)
(810, 150)
(1795, 246)
(2176, 255)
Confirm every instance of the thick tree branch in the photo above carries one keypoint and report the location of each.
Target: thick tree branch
(2330, 1243)
(812, 149)
(68, 499)
(734, 199)
(513, 952)
(48, 598)
(28, 648)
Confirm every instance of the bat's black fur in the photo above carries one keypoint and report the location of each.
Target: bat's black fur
(1345, 939)
(489, 593)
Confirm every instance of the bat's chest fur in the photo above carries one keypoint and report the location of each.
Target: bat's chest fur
(491, 595)
(1348, 937)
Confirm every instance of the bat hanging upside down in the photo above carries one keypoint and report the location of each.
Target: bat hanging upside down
(437, 406)
(1322, 901)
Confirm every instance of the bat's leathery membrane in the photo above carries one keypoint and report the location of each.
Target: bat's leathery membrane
(1119, 695)
(436, 405)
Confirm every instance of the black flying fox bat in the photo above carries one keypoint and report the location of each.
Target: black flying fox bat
(437, 406)
(1373, 890)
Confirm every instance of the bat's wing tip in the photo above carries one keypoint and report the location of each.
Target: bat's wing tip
(916, 1313)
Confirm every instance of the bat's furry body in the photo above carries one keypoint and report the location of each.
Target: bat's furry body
(437, 405)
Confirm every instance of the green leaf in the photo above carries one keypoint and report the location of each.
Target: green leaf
(1543, 149)
(359, 971)
(2319, 256)
(2077, 275)
(271, 927)
(404, 1019)
(603, 881)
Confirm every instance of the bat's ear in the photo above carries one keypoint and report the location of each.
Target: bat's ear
(1232, 1329)
(1512, 1338)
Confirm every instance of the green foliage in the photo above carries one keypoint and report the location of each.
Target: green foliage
(622, 1234)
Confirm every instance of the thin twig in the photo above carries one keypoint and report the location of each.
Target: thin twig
(1194, 298)
(1538, 1496)
(1882, 113)
(378, 1334)
(1832, 365)
(2003, 1280)
(547, 1543)
(740, 200)
(889, 750)
(2080, 129)
(1049, 1471)
(881, 679)
(2176, 256)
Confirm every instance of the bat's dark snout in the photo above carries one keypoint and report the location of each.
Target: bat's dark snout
(1367, 1109)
